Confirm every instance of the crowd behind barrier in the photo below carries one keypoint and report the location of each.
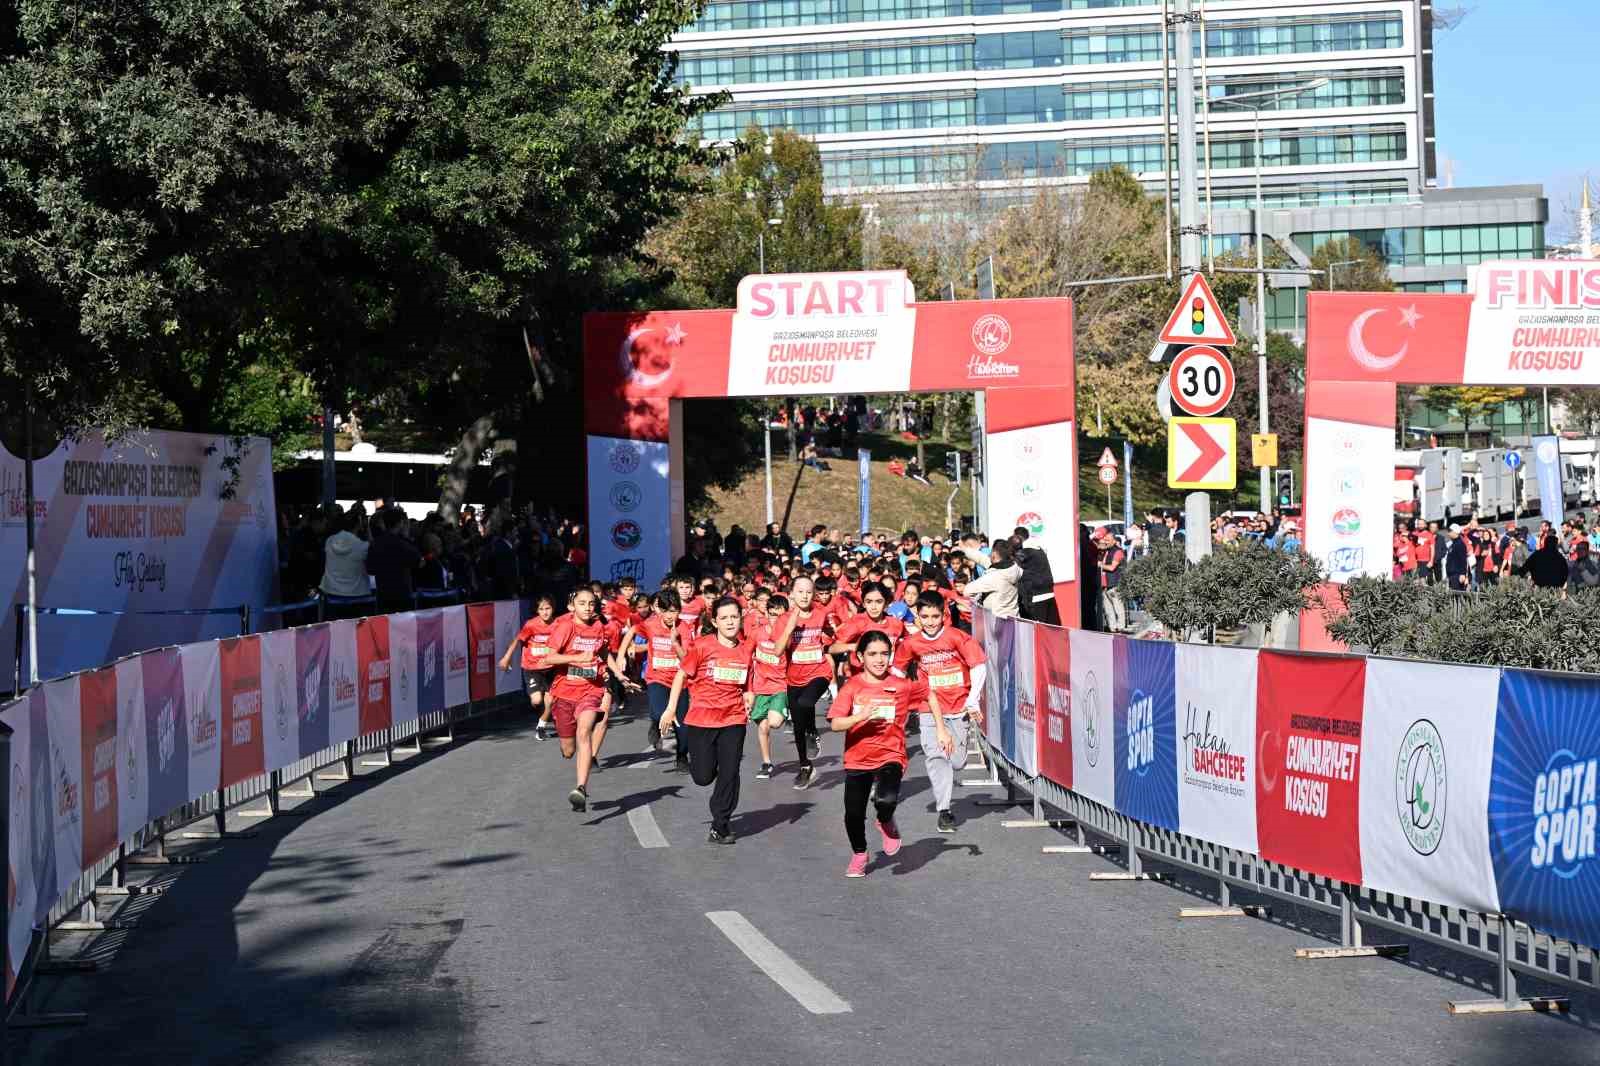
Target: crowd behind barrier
(1448, 802)
(107, 761)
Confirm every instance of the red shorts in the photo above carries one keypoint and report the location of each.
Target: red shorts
(566, 712)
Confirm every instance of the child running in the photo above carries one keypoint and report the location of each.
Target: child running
(810, 673)
(579, 647)
(664, 653)
(951, 663)
(534, 636)
(770, 707)
(873, 619)
(872, 710)
(716, 670)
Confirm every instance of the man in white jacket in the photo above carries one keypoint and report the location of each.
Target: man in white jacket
(344, 571)
(998, 585)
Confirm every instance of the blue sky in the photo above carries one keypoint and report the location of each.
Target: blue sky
(1515, 86)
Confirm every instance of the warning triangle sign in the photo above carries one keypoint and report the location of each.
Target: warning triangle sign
(1107, 459)
(1198, 318)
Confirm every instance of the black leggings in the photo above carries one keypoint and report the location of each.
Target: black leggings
(803, 712)
(857, 783)
(714, 755)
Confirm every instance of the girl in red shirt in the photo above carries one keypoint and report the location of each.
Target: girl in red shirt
(873, 619)
(871, 710)
(534, 636)
(769, 688)
(716, 671)
(810, 673)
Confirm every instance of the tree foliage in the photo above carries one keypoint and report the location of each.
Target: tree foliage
(1471, 402)
(1240, 584)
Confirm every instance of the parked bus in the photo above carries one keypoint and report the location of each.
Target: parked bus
(408, 480)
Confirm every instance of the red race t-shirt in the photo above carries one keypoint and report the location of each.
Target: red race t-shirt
(689, 614)
(944, 662)
(770, 661)
(808, 648)
(838, 611)
(535, 638)
(860, 625)
(662, 651)
(718, 677)
(881, 739)
(570, 637)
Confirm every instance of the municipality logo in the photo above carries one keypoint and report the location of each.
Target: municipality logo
(1091, 719)
(285, 701)
(1420, 787)
(625, 496)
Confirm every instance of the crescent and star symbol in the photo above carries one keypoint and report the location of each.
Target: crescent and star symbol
(1358, 345)
(631, 373)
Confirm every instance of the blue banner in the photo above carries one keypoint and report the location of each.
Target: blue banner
(864, 459)
(1542, 803)
(1547, 467)
(1146, 728)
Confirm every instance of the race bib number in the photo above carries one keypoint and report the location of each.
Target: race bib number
(808, 655)
(950, 680)
(732, 675)
(583, 673)
(882, 709)
(664, 662)
(538, 651)
(770, 658)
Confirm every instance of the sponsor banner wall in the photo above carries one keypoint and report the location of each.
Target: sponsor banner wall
(344, 682)
(202, 703)
(480, 632)
(456, 690)
(430, 661)
(280, 699)
(1215, 700)
(373, 670)
(166, 733)
(97, 739)
(507, 620)
(1052, 658)
(1026, 489)
(311, 647)
(21, 892)
(999, 722)
(1534, 323)
(1308, 738)
(1425, 782)
(1144, 732)
(403, 667)
(133, 777)
(243, 746)
(1348, 497)
(1544, 803)
(1093, 693)
(138, 525)
(62, 729)
(1026, 686)
(630, 510)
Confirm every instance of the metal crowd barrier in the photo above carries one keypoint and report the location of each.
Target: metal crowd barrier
(1512, 947)
(242, 611)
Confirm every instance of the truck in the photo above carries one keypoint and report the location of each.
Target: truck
(1488, 487)
(1581, 468)
(1428, 484)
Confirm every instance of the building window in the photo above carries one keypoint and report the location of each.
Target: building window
(1122, 46)
(1439, 245)
(842, 115)
(1006, 51)
(769, 65)
(1281, 36)
(1032, 103)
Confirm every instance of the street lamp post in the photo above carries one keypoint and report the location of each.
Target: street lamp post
(1255, 102)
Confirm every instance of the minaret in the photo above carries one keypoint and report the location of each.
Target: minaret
(1586, 223)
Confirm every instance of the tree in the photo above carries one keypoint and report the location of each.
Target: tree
(1470, 402)
(1355, 265)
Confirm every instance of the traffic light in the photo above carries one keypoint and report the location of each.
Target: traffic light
(950, 465)
(1285, 487)
(1197, 317)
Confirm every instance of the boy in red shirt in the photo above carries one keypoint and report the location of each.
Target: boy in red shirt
(690, 605)
(582, 652)
(952, 665)
(716, 670)
(664, 644)
(534, 636)
(769, 685)
(810, 673)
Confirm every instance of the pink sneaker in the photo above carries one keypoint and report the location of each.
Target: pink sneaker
(891, 838)
(857, 867)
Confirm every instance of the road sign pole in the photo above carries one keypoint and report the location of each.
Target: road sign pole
(1127, 485)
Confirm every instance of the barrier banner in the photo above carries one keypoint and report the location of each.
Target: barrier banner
(1000, 692)
(480, 632)
(1216, 718)
(132, 758)
(344, 682)
(280, 700)
(165, 727)
(1425, 782)
(456, 690)
(507, 620)
(372, 663)
(1543, 803)
(403, 667)
(20, 892)
(243, 747)
(43, 800)
(202, 702)
(64, 729)
(311, 683)
(430, 662)
(1052, 655)
(1093, 690)
(1025, 739)
(1308, 792)
(97, 739)
(1145, 732)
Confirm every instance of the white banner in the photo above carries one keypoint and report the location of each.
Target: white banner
(344, 717)
(26, 833)
(797, 334)
(1093, 697)
(1427, 751)
(139, 525)
(403, 667)
(1021, 667)
(456, 692)
(507, 620)
(202, 704)
(1348, 498)
(66, 783)
(133, 803)
(1026, 489)
(280, 700)
(630, 509)
(1534, 324)
(1216, 709)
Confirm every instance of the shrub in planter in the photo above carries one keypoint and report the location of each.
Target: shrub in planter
(1235, 586)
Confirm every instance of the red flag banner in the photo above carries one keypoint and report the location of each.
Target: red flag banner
(1052, 654)
(372, 662)
(243, 755)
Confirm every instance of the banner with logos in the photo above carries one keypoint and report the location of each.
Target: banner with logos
(344, 682)
(1144, 729)
(140, 524)
(135, 773)
(457, 692)
(1348, 497)
(1544, 803)
(1093, 685)
(1425, 782)
(630, 508)
(1053, 681)
(1547, 469)
(480, 632)
(1215, 701)
(243, 747)
(999, 707)
(1026, 698)
(403, 667)
(280, 699)
(311, 654)
(430, 662)
(1534, 323)
(373, 670)
(97, 750)
(1026, 489)
(507, 620)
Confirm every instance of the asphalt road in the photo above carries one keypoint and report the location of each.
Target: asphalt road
(453, 909)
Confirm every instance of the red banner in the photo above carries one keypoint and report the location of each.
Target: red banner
(1052, 655)
(372, 662)
(1407, 337)
(1308, 784)
(242, 753)
(480, 634)
(97, 703)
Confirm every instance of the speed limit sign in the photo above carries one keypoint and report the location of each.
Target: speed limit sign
(1201, 380)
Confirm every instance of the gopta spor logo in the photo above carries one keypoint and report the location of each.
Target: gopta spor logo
(1346, 522)
(991, 334)
(626, 535)
(1033, 521)
(1420, 788)
(1141, 732)
(625, 496)
(1564, 814)
(623, 458)
(1090, 708)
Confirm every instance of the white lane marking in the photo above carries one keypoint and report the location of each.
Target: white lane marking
(809, 992)
(645, 828)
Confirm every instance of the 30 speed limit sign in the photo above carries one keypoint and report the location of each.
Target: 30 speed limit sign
(1201, 380)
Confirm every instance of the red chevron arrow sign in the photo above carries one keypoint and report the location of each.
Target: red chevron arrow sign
(1202, 453)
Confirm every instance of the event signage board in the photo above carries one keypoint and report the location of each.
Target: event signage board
(1144, 732)
(1215, 701)
(1547, 468)
(1053, 681)
(1026, 698)
(243, 750)
(630, 508)
(1348, 497)
(1026, 489)
(1093, 674)
(1534, 324)
(280, 698)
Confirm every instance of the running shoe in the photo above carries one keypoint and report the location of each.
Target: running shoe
(680, 765)
(655, 737)
(947, 822)
(723, 837)
(858, 866)
(579, 798)
(765, 772)
(543, 732)
(802, 780)
(891, 837)
(814, 742)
